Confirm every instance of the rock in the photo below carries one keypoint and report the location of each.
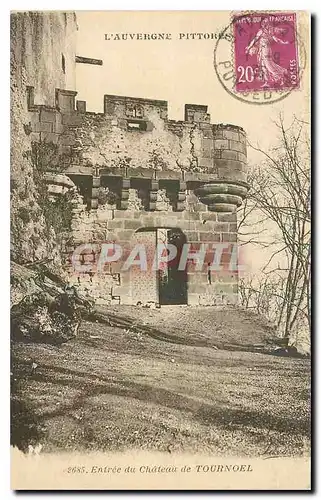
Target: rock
(40, 318)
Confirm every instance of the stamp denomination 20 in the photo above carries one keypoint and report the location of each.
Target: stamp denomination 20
(260, 58)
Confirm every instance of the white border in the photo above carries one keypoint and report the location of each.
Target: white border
(313, 7)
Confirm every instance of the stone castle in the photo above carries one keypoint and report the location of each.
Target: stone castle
(141, 177)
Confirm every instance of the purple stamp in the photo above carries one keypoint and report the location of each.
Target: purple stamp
(265, 52)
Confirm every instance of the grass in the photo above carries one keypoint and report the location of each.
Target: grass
(118, 388)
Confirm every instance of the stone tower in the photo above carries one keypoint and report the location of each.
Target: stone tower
(142, 178)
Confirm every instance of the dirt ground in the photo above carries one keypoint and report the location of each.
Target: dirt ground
(168, 380)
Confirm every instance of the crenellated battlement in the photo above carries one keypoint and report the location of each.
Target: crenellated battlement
(134, 138)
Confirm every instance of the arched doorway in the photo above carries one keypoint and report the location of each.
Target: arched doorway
(172, 283)
(165, 285)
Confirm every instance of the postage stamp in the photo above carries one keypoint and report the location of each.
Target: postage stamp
(265, 52)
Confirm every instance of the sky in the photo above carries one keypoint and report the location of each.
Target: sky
(179, 71)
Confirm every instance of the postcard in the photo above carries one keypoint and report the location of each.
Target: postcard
(160, 250)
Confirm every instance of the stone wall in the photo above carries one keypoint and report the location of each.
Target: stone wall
(137, 134)
(43, 48)
(40, 43)
(122, 226)
(162, 174)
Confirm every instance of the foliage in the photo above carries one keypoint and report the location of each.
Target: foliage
(24, 215)
(45, 158)
(280, 193)
(107, 197)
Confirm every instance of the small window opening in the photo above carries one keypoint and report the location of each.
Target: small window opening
(136, 125)
(63, 64)
(209, 276)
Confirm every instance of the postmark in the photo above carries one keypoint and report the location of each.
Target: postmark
(261, 58)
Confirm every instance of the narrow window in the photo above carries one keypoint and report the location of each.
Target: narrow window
(136, 125)
(63, 64)
(209, 277)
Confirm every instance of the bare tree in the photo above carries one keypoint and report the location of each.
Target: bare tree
(280, 192)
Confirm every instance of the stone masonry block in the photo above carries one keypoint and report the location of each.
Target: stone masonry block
(237, 146)
(67, 140)
(116, 267)
(221, 144)
(191, 215)
(105, 215)
(207, 131)
(173, 215)
(196, 288)
(128, 300)
(183, 225)
(242, 135)
(193, 299)
(120, 291)
(242, 157)
(123, 235)
(125, 278)
(231, 299)
(191, 236)
(48, 116)
(224, 288)
(35, 136)
(207, 143)
(115, 224)
(72, 120)
(208, 153)
(132, 224)
(210, 237)
(208, 226)
(228, 167)
(204, 226)
(126, 184)
(34, 118)
(198, 207)
(167, 174)
(95, 192)
(49, 137)
(126, 214)
(221, 227)
(58, 125)
(223, 277)
(217, 133)
(230, 155)
(148, 221)
(232, 217)
(208, 216)
(42, 127)
(229, 237)
(208, 300)
(198, 278)
(205, 162)
(166, 222)
(230, 134)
